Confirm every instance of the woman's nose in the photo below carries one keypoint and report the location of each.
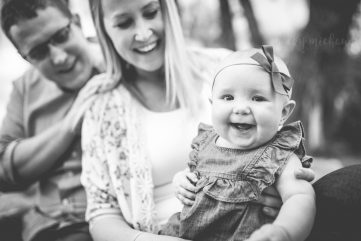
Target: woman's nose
(143, 32)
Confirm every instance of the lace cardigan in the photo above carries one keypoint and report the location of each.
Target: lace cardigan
(116, 169)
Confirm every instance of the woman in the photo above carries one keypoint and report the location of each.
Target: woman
(137, 133)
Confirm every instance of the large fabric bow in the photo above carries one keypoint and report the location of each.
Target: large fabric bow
(282, 83)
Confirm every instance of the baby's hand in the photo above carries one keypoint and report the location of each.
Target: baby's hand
(184, 183)
(270, 232)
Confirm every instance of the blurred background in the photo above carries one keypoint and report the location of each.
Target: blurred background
(319, 39)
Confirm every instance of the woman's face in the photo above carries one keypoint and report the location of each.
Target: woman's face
(137, 31)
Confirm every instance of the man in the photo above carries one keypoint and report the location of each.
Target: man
(39, 153)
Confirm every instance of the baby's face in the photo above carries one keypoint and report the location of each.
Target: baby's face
(246, 112)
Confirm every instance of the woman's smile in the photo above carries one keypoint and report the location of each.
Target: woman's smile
(147, 48)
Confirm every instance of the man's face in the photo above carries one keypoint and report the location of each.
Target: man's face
(55, 46)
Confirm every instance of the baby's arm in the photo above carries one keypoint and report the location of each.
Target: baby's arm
(299, 206)
(295, 219)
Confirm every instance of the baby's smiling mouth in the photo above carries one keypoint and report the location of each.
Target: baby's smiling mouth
(242, 126)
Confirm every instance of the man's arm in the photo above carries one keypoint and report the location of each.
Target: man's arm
(25, 160)
(33, 157)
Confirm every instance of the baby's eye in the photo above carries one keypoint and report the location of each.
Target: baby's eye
(227, 97)
(258, 98)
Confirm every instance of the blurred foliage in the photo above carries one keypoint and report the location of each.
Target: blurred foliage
(323, 64)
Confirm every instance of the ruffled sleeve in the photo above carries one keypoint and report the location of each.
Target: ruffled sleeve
(204, 133)
(270, 164)
(293, 136)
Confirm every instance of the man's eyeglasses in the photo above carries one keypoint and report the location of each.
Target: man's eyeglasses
(42, 50)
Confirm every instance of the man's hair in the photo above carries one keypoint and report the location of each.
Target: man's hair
(14, 11)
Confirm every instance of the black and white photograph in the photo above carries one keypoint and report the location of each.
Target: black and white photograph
(180, 120)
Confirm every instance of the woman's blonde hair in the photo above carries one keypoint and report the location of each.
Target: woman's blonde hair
(179, 73)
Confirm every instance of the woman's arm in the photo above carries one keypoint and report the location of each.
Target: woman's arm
(114, 228)
(111, 227)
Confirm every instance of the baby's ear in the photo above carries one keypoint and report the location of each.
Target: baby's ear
(287, 110)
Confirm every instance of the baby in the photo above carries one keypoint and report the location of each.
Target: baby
(248, 149)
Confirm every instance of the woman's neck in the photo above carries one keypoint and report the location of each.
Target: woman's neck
(150, 89)
(149, 76)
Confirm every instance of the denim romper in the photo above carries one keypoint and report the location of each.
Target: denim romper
(229, 179)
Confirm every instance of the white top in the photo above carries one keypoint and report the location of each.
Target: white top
(168, 138)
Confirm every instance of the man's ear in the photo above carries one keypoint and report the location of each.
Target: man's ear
(287, 110)
(76, 19)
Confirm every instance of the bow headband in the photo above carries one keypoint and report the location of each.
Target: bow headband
(281, 82)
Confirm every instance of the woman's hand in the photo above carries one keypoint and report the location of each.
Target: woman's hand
(271, 201)
(184, 183)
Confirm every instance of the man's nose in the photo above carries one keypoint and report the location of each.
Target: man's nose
(57, 54)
